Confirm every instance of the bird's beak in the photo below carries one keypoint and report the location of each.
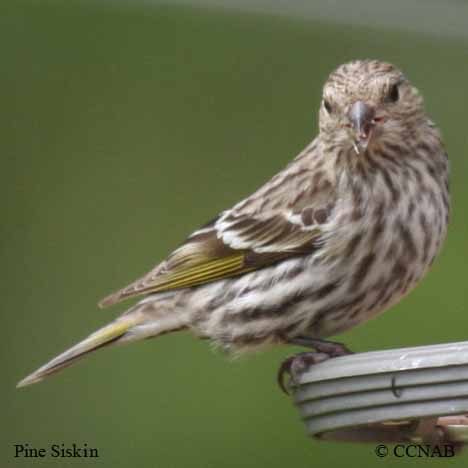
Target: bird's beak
(361, 116)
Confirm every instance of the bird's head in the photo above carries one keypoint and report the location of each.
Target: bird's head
(367, 102)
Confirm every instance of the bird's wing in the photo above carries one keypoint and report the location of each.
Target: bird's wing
(282, 219)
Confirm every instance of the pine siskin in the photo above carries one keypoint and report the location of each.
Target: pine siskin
(341, 234)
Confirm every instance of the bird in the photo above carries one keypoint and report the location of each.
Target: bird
(342, 233)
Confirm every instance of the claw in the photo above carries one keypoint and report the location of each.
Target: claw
(284, 369)
(295, 365)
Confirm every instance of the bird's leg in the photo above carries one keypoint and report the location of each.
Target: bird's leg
(297, 364)
(332, 348)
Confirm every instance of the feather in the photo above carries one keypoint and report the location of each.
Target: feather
(252, 235)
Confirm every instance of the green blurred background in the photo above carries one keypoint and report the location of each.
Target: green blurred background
(125, 127)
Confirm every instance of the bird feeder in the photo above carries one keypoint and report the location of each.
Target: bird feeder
(407, 395)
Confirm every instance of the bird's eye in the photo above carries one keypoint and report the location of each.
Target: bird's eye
(393, 93)
(328, 106)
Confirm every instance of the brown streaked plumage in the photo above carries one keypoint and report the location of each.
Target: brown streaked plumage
(342, 233)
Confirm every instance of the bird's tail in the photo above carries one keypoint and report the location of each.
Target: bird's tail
(131, 326)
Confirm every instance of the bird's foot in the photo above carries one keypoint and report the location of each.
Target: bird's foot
(294, 366)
